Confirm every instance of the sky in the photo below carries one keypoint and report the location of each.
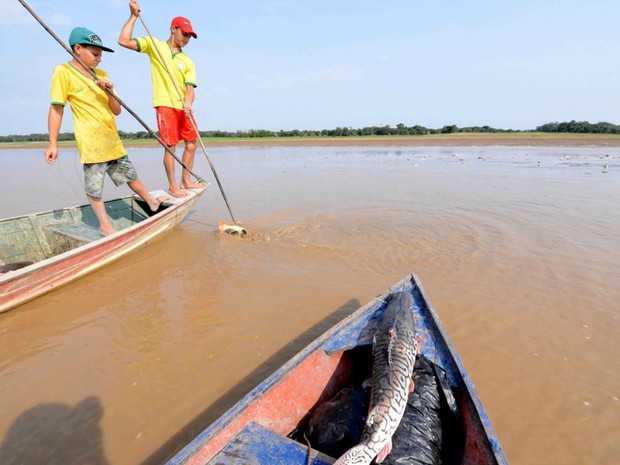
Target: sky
(318, 64)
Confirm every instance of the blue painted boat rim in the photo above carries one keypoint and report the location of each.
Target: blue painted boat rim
(468, 383)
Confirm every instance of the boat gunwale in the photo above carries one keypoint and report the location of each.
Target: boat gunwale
(464, 375)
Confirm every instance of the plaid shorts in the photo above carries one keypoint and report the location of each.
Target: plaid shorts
(121, 171)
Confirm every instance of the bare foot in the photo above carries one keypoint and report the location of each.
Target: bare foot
(177, 193)
(155, 203)
(191, 185)
(108, 231)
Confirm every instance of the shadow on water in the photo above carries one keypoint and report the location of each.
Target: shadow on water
(221, 405)
(56, 434)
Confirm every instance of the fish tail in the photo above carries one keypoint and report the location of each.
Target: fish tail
(357, 455)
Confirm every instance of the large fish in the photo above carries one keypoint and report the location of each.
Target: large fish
(394, 353)
(232, 229)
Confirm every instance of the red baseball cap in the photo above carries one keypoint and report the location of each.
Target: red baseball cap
(184, 24)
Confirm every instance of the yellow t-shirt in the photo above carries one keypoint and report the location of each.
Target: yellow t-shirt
(180, 65)
(93, 121)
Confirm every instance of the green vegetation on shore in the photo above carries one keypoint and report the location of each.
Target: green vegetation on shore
(499, 138)
(572, 127)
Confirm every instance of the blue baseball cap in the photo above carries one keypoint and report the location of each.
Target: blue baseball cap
(83, 36)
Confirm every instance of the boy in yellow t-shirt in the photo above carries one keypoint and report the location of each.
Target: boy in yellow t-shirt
(173, 115)
(94, 110)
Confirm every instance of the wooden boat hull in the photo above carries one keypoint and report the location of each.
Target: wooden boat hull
(255, 430)
(72, 229)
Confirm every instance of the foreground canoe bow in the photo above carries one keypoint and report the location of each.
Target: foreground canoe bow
(46, 250)
(267, 425)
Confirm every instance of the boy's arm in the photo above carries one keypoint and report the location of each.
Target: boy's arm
(108, 86)
(190, 95)
(125, 38)
(54, 120)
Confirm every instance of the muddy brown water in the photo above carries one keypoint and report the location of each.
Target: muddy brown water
(517, 247)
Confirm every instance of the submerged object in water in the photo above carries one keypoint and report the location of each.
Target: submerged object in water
(232, 229)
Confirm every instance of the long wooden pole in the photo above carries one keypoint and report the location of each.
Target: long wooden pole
(191, 117)
(150, 131)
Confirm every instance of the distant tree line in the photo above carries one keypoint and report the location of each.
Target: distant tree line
(65, 136)
(387, 130)
(580, 127)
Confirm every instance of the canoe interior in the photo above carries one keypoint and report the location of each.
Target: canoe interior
(267, 425)
(33, 238)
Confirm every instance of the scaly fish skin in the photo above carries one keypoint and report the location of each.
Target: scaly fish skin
(394, 352)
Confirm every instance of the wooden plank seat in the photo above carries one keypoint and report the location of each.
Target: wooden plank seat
(77, 231)
(257, 445)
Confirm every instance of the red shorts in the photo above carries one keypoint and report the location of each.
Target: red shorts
(174, 126)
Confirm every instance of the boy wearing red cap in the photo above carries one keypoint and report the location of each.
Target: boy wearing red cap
(94, 110)
(173, 116)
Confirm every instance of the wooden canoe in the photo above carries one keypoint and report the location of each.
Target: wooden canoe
(42, 251)
(260, 428)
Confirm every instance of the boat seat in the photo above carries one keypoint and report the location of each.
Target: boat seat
(77, 231)
(257, 445)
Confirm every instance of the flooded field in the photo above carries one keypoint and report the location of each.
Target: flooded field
(517, 248)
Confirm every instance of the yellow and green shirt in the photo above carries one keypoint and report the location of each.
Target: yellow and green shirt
(180, 65)
(94, 123)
